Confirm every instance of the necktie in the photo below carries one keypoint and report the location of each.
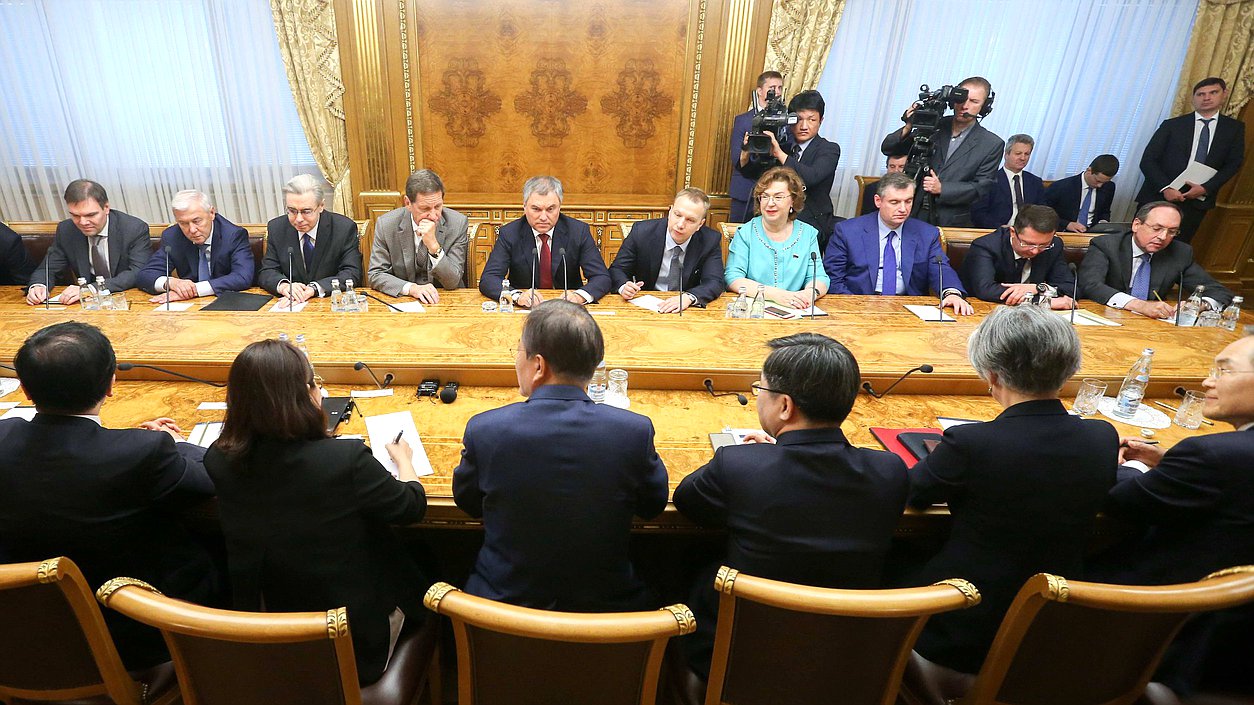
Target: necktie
(100, 257)
(1022, 271)
(1141, 280)
(1085, 205)
(306, 250)
(888, 272)
(1018, 193)
(1203, 142)
(203, 274)
(677, 269)
(546, 263)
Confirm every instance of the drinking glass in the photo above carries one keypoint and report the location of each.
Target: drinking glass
(1190, 413)
(1091, 392)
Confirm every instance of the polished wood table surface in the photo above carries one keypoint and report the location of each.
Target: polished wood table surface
(455, 339)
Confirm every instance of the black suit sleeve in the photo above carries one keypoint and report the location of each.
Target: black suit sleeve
(1183, 487)
(940, 476)
(711, 285)
(1195, 276)
(138, 251)
(1055, 197)
(384, 498)
(1105, 195)
(623, 268)
(55, 262)
(1059, 275)
(179, 476)
(596, 276)
(497, 266)
(1152, 159)
(274, 267)
(819, 170)
(979, 272)
(700, 495)
(1093, 271)
(15, 266)
(467, 494)
(982, 215)
(1233, 159)
(346, 256)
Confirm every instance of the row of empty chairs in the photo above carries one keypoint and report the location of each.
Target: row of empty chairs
(1062, 641)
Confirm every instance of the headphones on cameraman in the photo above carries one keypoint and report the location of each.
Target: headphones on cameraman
(988, 104)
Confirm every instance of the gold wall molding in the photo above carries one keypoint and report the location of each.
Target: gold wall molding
(409, 98)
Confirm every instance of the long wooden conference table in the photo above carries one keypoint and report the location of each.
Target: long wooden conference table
(667, 357)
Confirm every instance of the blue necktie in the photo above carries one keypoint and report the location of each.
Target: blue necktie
(306, 249)
(1203, 142)
(888, 273)
(1141, 280)
(1085, 205)
(203, 274)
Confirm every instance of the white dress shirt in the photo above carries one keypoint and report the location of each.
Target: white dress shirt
(663, 273)
(202, 288)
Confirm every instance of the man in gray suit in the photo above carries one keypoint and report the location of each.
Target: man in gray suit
(420, 243)
(1136, 270)
(94, 241)
(964, 157)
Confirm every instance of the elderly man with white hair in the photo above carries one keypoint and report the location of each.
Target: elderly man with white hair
(202, 254)
(309, 246)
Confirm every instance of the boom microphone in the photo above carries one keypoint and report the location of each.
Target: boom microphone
(709, 387)
(866, 386)
(1075, 290)
(387, 378)
(372, 296)
(128, 366)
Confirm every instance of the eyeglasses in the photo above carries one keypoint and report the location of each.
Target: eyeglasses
(758, 389)
(1030, 246)
(1217, 372)
(301, 211)
(774, 198)
(1160, 230)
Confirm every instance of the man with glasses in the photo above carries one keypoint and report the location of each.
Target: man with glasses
(799, 502)
(1136, 270)
(309, 246)
(1195, 503)
(208, 253)
(1007, 265)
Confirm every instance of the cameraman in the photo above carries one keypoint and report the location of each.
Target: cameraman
(964, 157)
(741, 188)
(812, 157)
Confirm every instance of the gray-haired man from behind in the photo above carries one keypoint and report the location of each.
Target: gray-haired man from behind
(421, 244)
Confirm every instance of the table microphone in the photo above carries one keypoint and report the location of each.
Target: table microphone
(387, 378)
(448, 395)
(167, 277)
(709, 387)
(681, 290)
(369, 295)
(1180, 299)
(128, 366)
(940, 293)
(535, 266)
(291, 280)
(565, 277)
(866, 386)
(48, 286)
(814, 283)
(1075, 290)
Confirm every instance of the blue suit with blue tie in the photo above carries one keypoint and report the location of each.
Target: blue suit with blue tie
(231, 266)
(852, 260)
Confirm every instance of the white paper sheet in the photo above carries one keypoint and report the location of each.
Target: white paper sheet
(212, 406)
(948, 422)
(408, 307)
(280, 306)
(205, 433)
(367, 393)
(8, 385)
(647, 301)
(382, 430)
(928, 313)
(1195, 172)
(20, 412)
(1088, 318)
(175, 306)
(791, 313)
(6, 405)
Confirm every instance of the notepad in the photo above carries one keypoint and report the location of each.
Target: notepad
(647, 301)
(1087, 318)
(8, 385)
(205, 433)
(929, 313)
(174, 306)
(382, 430)
(288, 306)
(408, 307)
(212, 406)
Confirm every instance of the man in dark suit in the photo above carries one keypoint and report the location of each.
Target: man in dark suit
(893, 164)
(1007, 265)
(322, 245)
(558, 478)
(1203, 136)
(741, 188)
(209, 252)
(1084, 199)
(420, 244)
(1136, 270)
(15, 264)
(672, 254)
(95, 241)
(799, 503)
(542, 235)
(1195, 503)
(889, 240)
(964, 157)
(813, 158)
(1013, 187)
(102, 497)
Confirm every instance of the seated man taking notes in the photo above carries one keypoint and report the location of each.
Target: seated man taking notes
(888, 253)
(309, 246)
(1007, 265)
(672, 254)
(209, 253)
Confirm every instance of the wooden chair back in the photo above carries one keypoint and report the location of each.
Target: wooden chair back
(864, 183)
(224, 657)
(521, 656)
(1065, 641)
(818, 644)
(957, 242)
(481, 244)
(54, 644)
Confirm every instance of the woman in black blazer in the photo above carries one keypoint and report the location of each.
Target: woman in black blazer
(306, 516)
(1024, 489)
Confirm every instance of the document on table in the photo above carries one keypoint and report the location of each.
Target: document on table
(205, 433)
(408, 307)
(1087, 318)
(778, 310)
(1196, 173)
(8, 385)
(282, 306)
(382, 430)
(368, 393)
(647, 301)
(929, 313)
(174, 306)
(212, 406)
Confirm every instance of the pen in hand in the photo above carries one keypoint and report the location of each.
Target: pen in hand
(398, 437)
(1148, 443)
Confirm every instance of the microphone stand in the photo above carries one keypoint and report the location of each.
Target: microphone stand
(681, 290)
(372, 296)
(709, 387)
(1180, 299)
(535, 266)
(1075, 290)
(866, 386)
(291, 281)
(814, 283)
(387, 378)
(565, 278)
(48, 286)
(127, 366)
(940, 292)
(167, 278)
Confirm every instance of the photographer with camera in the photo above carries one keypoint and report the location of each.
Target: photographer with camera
(812, 157)
(770, 83)
(953, 158)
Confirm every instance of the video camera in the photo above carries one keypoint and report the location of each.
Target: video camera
(925, 121)
(772, 118)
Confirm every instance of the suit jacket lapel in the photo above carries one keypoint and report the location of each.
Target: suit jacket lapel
(909, 245)
(1123, 267)
(408, 269)
(871, 251)
(321, 245)
(115, 245)
(556, 244)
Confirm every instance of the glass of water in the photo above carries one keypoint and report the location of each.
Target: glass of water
(616, 394)
(119, 301)
(1190, 413)
(1091, 392)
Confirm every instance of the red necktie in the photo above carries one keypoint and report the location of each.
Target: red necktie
(546, 263)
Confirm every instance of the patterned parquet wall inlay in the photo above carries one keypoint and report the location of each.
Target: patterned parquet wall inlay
(592, 92)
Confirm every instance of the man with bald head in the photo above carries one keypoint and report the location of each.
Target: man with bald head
(207, 253)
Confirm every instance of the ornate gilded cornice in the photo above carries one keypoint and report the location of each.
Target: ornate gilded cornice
(696, 95)
(409, 100)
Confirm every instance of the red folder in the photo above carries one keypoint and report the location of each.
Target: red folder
(888, 438)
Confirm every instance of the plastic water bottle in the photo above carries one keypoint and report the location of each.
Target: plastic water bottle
(1191, 308)
(1232, 314)
(600, 381)
(740, 307)
(86, 295)
(283, 338)
(337, 297)
(348, 302)
(1133, 388)
(506, 304)
(104, 300)
(758, 310)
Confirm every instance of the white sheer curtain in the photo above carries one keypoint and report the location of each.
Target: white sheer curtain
(1082, 77)
(146, 97)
